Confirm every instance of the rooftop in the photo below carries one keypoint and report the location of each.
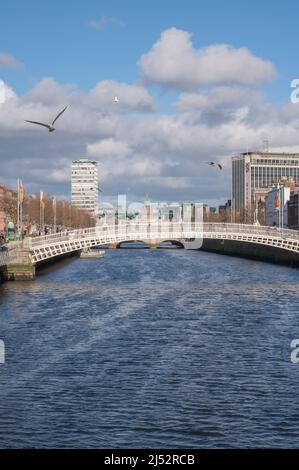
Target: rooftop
(270, 154)
(85, 160)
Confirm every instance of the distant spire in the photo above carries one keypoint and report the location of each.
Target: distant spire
(266, 143)
(147, 201)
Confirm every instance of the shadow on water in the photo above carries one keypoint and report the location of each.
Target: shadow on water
(56, 264)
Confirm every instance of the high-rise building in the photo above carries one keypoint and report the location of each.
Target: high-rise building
(85, 186)
(255, 173)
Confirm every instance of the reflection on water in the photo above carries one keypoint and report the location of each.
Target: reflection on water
(151, 349)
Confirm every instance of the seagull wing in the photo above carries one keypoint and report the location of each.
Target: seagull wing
(58, 115)
(220, 166)
(38, 123)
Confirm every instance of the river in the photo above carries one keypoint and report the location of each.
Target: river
(147, 349)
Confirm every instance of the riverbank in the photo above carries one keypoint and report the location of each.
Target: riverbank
(252, 251)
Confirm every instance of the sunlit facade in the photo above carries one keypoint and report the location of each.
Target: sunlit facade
(85, 190)
(255, 173)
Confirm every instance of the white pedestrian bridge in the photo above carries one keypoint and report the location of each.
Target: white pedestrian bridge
(188, 235)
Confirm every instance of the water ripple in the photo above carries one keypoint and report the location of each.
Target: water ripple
(140, 349)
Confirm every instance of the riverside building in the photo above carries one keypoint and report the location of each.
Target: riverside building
(253, 176)
(85, 186)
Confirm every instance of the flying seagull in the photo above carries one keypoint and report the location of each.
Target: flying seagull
(116, 100)
(215, 164)
(48, 126)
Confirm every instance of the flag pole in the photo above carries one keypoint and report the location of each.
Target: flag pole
(54, 213)
(18, 207)
(41, 218)
(40, 212)
(282, 201)
(21, 199)
(279, 192)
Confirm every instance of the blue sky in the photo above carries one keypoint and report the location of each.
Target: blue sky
(164, 130)
(54, 38)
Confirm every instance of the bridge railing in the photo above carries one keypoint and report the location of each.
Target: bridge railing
(263, 230)
(135, 231)
(118, 231)
(58, 237)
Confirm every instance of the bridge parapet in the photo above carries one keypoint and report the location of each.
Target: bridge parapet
(39, 249)
(161, 230)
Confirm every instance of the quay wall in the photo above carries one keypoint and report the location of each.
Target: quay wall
(253, 251)
(22, 270)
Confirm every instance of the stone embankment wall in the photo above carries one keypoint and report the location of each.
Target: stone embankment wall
(252, 251)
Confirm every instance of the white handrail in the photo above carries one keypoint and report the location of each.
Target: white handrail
(158, 230)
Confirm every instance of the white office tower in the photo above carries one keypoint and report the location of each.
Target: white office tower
(254, 173)
(85, 186)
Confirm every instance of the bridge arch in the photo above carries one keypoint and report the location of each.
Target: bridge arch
(143, 244)
(177, 243)
(44, 247)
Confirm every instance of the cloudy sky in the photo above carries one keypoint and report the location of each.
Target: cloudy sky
(196, 81)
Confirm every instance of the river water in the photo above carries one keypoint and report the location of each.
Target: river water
(168, 349)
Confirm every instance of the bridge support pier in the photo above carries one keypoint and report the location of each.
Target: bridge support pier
(153, 246)
(22, 268)
(19, 272)
(112, 246)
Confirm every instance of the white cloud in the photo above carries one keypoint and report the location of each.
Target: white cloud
(130, 96)
(170, 182)
(6, 92)
(174, 62)
(218, 97)
(108, 148)
(7, 61)
(89, 114)
(48, 92)
(220, 104)
(155, 153)
(105, 21)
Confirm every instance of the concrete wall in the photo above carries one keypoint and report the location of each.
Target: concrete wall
(24, 271)
(252, 251)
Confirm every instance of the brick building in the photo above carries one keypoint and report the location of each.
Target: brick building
(8, 204)
(2, 214)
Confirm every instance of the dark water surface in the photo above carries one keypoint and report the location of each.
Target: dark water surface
(151, 349)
